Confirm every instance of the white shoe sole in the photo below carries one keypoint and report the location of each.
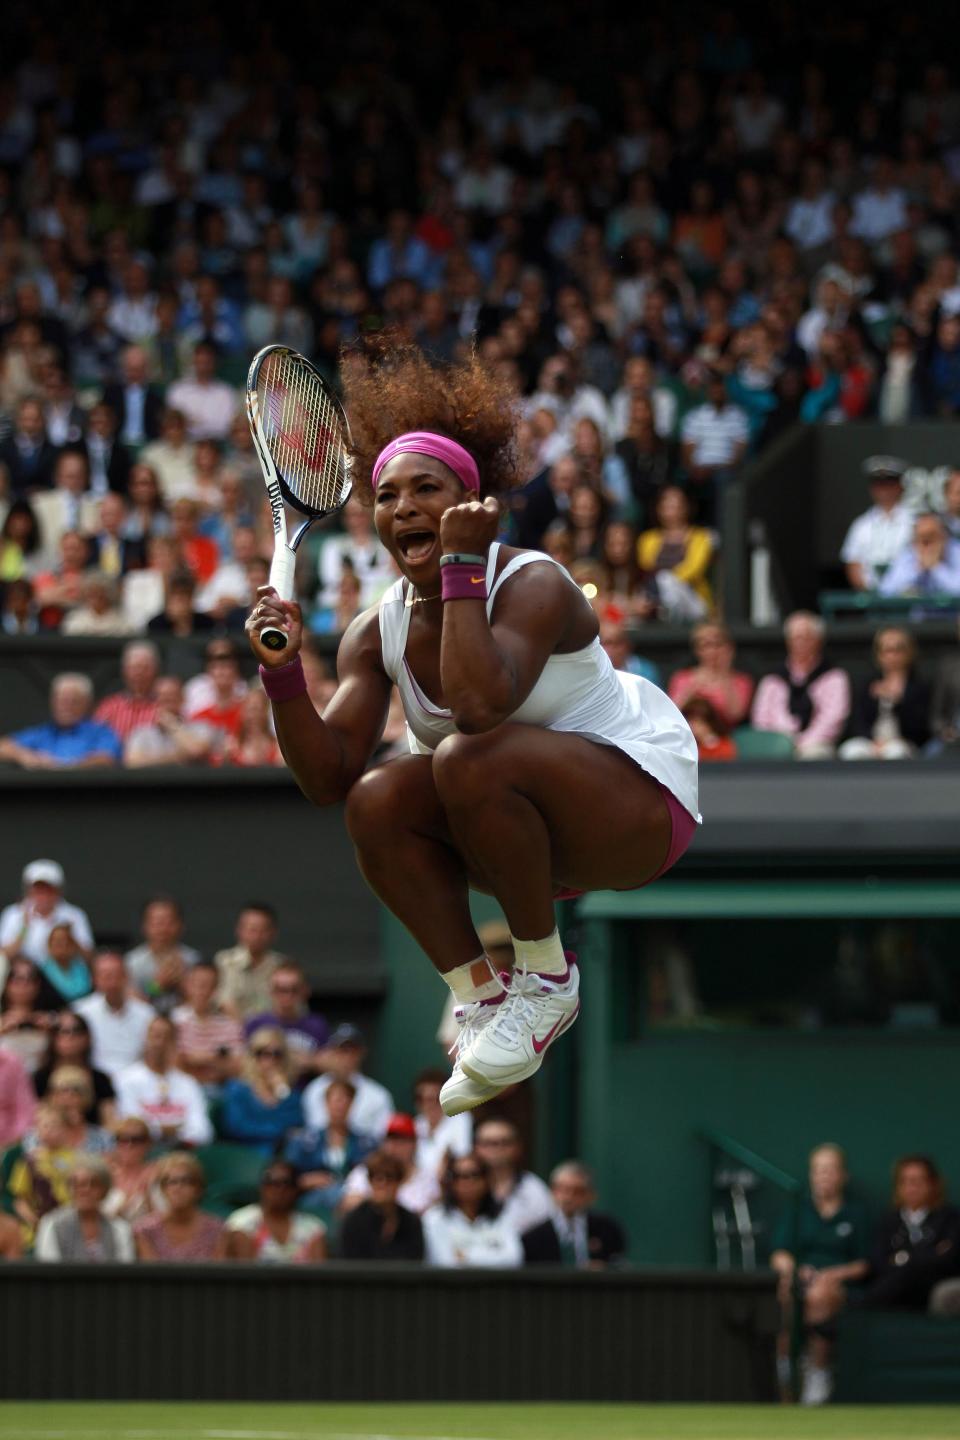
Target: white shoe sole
(531, 1068)
(480, 1094)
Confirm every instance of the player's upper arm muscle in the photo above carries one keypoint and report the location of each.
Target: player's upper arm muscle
(357, 713)
(534, 615)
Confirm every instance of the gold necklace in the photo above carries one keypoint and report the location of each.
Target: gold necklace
(412, 600)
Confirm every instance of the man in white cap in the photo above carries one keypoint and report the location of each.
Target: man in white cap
(878, 535)
(25, 926)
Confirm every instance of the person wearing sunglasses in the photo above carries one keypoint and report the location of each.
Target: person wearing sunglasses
(380, 1228)
(466, 1227)
(171, 1103)
(133, 1192)
(276, 1233)
(261, 1105)
(183, 1231)
(28, 1009)
(69, 1043)
(307, 1033)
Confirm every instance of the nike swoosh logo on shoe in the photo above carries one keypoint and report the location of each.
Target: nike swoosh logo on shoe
(540, 1045)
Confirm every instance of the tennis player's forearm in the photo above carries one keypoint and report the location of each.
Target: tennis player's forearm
(479, 684)
(312, 751)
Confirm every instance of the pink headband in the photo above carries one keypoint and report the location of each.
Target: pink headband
(425, 442)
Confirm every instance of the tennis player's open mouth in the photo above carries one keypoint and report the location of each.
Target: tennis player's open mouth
(416, 545)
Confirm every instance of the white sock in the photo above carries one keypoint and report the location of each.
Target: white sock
(477, 980)
(545, 957)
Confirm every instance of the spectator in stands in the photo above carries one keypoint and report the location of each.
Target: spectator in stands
(117, 1020)
(210, 1042)
(919, 1239)
(344, 1057)
(679, 555)
(710, 731)
(207, 404)
(70, 1093)
(808, 698)
(109, 460)
(420, 1187)
(26, 454)
(943, 369)
(359, 548)
(261, 1105)
(82, 1231)
(171, 739)
(178, 616)
(818, 1250)
(136, 703)
(890, 718)
(276, 1233)
(18, 613)
(198, 552)
(134, 400)
(380, 1228)
(466, 1228)
(20, 542)
(615, 639)
(254, 743)
(147, 515)
(225, 711)
(63, 966)
(307, 1034)
(60, 588)
(245, 969)
(628, 588)
(18, 1102)
(950, 512)
(133, 1190)
(113, 551)
(28, 1008)
(324, 1158)
(70, 1043)
(70, 739)
(209, 688)
(38, 1177)
(523, 1198)
(714, 438)
(99, 612)
(158, 968)
(575, 1234)
(26, 924)
(171, 457)
(928, 565)
(182, 1231)
(713, 677)
(169, 1101)
(440, 1138)
(878, 535)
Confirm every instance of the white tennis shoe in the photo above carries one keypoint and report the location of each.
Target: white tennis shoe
(460, 1092)
(511, 1045)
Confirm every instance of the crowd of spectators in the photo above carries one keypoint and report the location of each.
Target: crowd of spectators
(810, 704)
(670, 259)
(125, 1078)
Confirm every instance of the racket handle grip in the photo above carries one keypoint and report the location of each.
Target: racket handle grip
(281, 578)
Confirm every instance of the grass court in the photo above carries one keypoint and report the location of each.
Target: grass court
(474, 1422)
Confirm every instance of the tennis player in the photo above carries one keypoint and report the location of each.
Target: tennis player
(536, 769)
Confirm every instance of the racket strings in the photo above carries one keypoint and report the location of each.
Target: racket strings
(303, 431)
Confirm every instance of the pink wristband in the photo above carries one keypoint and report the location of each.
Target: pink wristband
(463, 582)
(284, 682)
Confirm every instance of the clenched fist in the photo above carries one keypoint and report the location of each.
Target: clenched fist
(285, 615)
(470, 528)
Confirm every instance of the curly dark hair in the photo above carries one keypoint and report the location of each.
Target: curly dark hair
(390, 387)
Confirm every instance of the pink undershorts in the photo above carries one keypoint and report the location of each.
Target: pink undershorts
(683, 827)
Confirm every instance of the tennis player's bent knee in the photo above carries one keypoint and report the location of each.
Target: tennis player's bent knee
(374, 807)
(464, 769)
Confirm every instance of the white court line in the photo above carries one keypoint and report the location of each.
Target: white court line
(222, 1435)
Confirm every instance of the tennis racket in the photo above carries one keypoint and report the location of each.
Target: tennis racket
(302, 438)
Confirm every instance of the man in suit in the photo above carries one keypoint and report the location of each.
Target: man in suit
(27, 452)
(68, 506)
(137, 404)
(109, 460)
(575, 1234)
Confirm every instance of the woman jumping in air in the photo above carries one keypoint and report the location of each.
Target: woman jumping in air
(537, 770)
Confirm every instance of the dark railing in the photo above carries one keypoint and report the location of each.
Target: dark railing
(359, 1332)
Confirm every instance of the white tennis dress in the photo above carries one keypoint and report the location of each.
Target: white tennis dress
(579, 693)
